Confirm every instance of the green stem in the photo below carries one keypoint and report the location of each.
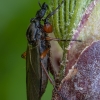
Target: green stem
(80, 5)
(66, 19)
(56, 19)
(71, 7)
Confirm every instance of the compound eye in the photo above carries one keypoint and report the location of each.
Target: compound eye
(47, 28)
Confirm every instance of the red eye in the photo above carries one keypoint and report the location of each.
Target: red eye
(47, 28)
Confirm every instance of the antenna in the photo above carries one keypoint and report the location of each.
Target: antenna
(53, 12)
(39, 3)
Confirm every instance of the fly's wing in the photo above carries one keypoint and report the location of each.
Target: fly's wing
(33, 73)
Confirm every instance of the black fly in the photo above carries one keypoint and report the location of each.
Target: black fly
(37, 54)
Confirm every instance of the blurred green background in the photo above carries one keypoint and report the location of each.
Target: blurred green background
(14, 19)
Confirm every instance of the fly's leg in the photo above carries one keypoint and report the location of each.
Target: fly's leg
(57, 39)
(56, 81)
(50, 79)
(23, 55)
(53, 83)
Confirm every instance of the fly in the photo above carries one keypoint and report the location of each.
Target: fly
(37, 53)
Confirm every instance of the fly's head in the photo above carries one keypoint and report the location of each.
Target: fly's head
(44, 6)
(40, 13)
